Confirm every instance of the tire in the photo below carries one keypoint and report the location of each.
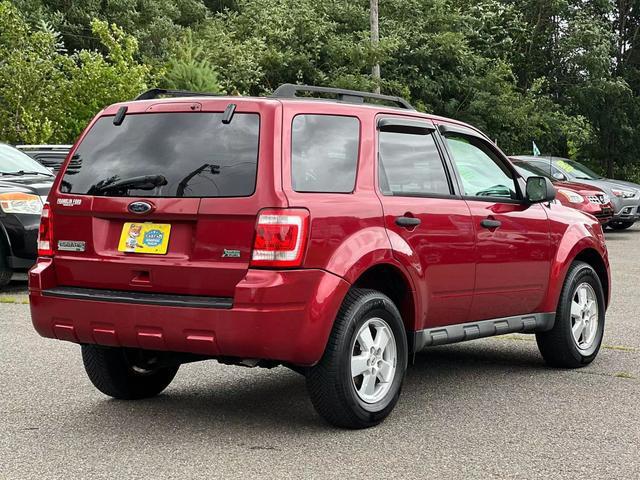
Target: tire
(116, 372)
(617, 225)
(6, 273)
(559, 346)
(332, 388)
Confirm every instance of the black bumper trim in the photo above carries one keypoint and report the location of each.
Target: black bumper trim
(119, 296)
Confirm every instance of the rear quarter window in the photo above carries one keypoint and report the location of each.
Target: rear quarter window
(324, 153)
(185, 155)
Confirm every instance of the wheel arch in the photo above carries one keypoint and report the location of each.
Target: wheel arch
(591, 257)
(392, 281)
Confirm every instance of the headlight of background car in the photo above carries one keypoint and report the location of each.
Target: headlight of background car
(623, 193)
(573, 197)
(20, 203)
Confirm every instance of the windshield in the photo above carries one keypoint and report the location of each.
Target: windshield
(167, 155)
(13, 161)
(527, 170)
(578, 170)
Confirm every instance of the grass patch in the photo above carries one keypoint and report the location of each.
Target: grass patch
(15, 300)
(624, 375)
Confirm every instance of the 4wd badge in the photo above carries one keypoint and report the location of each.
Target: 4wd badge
(230, 253)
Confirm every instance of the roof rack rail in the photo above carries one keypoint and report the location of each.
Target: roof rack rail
(289, 90)
(162, 92)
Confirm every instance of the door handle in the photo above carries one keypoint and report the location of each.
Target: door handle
(407, 221)
(490, 223)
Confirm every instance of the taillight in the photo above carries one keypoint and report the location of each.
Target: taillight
(281, 238)
(45, 233)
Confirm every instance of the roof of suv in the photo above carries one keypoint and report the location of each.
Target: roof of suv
(351, 98)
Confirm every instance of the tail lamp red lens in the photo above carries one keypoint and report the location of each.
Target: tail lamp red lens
(281, 238)
(45, 233)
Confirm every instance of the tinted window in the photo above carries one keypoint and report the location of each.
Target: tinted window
(411, 165)
(482, 173)
(550, 169)
(324, 153)
(185, 154)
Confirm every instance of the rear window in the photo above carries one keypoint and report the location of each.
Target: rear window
(167, 155)
(324, 153)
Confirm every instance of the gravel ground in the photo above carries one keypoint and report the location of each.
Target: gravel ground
(484, 409)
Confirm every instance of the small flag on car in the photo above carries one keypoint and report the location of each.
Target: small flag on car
(536, 150)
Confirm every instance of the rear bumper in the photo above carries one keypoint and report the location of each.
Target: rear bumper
(277, 315)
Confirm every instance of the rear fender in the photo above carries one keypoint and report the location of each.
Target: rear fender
(372, 247)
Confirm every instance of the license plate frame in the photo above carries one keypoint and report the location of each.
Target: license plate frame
(144, 237)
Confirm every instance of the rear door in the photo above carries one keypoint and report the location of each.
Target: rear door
(512, 237)
(171, 173)
(429, 225)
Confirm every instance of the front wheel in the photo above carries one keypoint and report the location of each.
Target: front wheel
(574, 340)
(357, 382)
(126, 374)
(618, 225)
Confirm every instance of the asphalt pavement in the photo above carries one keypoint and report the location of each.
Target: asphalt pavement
(484, 409)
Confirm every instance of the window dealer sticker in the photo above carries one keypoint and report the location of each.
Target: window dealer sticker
(565, 166)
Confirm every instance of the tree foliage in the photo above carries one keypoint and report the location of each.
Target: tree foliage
(562, 73)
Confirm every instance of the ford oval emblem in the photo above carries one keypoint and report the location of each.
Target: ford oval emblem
(140, 207)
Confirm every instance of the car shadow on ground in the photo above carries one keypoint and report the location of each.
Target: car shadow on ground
(277, 399)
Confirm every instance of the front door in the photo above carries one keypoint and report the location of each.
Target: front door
(429, 225)
(512, 237)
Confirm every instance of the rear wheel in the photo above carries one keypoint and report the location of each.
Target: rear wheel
(357, 382)
(574, 340)
(617, 225)
(127, 374)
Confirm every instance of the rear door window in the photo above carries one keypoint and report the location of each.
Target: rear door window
(411, 165)
(324, 153)
(167, 155)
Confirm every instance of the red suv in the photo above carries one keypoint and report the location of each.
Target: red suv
(333, 236)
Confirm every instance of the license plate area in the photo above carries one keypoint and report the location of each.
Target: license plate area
(144, 237)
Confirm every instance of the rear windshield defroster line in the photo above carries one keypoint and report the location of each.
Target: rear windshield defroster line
(189, 155)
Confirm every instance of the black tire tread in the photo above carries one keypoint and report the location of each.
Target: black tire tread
(108, 370)
(327, 394)
(556, 344)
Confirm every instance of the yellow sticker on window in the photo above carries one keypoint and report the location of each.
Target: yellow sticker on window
(565, 166)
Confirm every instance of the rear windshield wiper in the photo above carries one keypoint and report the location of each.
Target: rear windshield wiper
(27, 172)
(145, 182)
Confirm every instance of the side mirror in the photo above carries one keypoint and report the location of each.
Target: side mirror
(540, 190)
(560, 176)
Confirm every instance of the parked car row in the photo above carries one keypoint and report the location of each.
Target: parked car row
(624, 196)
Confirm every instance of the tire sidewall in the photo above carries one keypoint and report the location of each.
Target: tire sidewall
(583, 274)
(374, 307)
